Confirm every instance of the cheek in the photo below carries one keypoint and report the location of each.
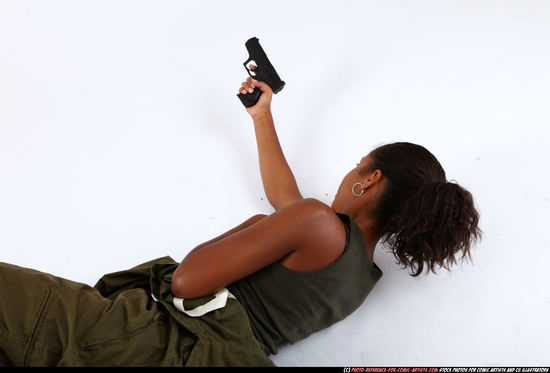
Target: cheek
(346, 183)
(340, 188)
(350, 179)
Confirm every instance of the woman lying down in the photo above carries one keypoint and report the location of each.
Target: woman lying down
(273, 280)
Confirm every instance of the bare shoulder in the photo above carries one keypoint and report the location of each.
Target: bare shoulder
(315, 217)
(324, 237)
(302, 227)
(313, 206)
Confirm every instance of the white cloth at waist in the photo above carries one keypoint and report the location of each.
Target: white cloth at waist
(219, 301)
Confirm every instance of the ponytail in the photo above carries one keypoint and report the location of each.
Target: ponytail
(433, 225)
(426, 220)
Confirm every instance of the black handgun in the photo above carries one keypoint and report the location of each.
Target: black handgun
(264, 72)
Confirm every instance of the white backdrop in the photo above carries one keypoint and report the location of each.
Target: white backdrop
(122, 140)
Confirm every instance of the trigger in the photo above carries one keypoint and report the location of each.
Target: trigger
(251, 72)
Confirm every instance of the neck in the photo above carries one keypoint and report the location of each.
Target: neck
(372, 233)
(371, 229)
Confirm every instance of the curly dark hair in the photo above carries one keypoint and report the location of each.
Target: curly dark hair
(425, 218)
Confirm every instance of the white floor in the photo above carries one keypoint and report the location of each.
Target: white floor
(122, 140)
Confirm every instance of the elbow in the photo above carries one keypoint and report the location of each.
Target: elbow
(181, 286)
(178, 285)
(188, 286)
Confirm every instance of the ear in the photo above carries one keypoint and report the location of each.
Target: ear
(372, 178)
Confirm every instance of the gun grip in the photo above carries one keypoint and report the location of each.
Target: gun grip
(250, 99)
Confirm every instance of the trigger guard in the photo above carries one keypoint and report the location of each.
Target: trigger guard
(250, 71)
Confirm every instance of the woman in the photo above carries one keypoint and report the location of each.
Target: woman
(276, 278)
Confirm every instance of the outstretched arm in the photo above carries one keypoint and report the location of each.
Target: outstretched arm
(278, 180)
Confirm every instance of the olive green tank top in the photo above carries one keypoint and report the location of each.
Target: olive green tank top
(285, 306)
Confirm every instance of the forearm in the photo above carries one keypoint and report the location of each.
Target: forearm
(278, 180)
(253, 220)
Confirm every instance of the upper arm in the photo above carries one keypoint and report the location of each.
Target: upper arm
(287, 197)
(248, 250)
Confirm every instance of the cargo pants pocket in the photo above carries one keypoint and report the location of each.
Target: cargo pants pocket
(133, 331)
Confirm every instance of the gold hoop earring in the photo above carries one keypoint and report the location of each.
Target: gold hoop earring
(353, 190)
